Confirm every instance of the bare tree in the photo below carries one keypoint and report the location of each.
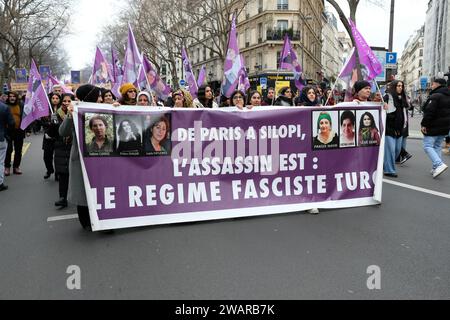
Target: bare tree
(31, 29)
(353, 7)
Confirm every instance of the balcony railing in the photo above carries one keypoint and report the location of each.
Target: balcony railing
(278, 34)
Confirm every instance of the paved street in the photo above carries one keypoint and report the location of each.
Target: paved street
(290, 256)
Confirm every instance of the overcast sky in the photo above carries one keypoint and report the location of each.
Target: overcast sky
(372, 21)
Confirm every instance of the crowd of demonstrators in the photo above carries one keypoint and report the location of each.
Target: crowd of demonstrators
(61, 155)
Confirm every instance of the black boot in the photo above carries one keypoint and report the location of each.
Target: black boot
(47, 175)
(61, 203)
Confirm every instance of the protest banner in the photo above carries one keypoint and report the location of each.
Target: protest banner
(160, 165)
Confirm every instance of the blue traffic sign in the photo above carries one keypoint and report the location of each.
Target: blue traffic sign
(182, 82)
(423, 83)
(391, 57)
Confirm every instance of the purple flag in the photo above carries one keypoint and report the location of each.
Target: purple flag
(189, 74)
(116, 67)
(290, 62)
(349, 74)
(370, 66)
(244, 83)
(101, 73)
(155, 83)
(132, 61)
(36, 102)
(201, 77)
(233, 63)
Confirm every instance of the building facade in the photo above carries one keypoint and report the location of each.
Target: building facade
(333, 49)
(437, 38)
(261, 26)
(412, 61)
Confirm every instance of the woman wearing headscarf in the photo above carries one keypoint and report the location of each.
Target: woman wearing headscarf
(308, 98)
(285, 98)
(325, 135)
(144, 99)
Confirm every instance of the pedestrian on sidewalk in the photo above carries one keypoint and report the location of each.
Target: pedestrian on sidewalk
(6, 120)
(436, 124)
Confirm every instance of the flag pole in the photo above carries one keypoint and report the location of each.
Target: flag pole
(332, 90)
(278, 70)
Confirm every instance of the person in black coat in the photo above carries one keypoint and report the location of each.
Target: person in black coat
(48, 142)
(62, 148)
(396, 124)
(436, 124)
(308, 98)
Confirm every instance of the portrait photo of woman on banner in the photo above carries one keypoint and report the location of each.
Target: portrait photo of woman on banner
(128, 136)
(323, 122)
(348, 126)
(368, 133)
(157, 141)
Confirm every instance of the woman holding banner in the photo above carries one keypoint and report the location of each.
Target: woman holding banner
(237, 99)
(129, 94)
(254, 99)
(77, 193)
(182, 99)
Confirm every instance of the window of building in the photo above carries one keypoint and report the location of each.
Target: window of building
(282, 25)
(282, 4)
(260, 6)
(247, 37)
(260, 32)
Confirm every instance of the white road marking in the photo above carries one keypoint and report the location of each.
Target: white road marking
(60, 218)
(407, 186)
